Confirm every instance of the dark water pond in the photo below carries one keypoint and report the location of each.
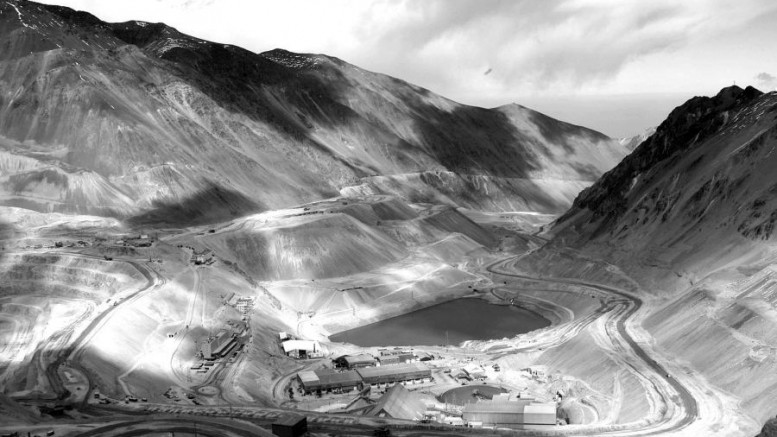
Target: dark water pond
(470, 393)
(448, 323)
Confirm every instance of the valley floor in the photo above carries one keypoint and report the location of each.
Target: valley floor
(101, 323)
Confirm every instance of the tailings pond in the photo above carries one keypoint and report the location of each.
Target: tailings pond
(448, 323)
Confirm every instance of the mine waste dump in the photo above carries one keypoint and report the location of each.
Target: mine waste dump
(448, 323)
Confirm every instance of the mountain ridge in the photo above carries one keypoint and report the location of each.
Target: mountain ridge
(690, 216)
(153, 118)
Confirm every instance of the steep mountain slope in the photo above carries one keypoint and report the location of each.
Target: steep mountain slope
(690, 215)
(706, 165)
(631, 143)
(138, 120)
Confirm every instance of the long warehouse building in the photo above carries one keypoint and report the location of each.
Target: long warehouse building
(392, 373)
(511, 413)
(328, 379)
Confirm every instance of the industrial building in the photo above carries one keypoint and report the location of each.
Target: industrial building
(475, 371)
(218, 346)
(396, 359)
(395, 351)
(302, 348)
(392, 373)
(328, 379)
(355, 361)
(424, 356)
(398, 403)
(515, 413)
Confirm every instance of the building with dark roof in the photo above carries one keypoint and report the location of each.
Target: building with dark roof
(328, 379)
(355, 361)
(214, 347)
(290, 425)
(392, 373)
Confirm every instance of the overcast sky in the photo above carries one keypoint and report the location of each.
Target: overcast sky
(617, 66)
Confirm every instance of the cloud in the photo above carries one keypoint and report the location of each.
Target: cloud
(766, 82)
(533, 48)
(562, 46)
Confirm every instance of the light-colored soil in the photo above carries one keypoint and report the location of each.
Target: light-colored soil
(131, 328)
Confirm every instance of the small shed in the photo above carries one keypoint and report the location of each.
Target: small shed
(424, 356)
(301, 348)
(475, 371)
(290, 425)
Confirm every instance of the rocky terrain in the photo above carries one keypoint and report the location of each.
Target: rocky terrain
(157, 189)
(138, 121)
(690, 216)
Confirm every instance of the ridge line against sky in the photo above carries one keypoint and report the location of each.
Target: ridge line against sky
(618, 66)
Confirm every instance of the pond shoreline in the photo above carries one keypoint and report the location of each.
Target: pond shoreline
(449, 323)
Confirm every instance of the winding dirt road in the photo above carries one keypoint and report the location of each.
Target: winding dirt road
(673, 419)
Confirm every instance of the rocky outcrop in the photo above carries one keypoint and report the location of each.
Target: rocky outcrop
(690, 215)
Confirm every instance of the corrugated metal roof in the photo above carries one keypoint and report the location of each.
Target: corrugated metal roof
(490, 418)
(519, 411)
(540, 414)
(307, 376)
(328, 377)
(540, 409)
(359, 359)
(392, 369)
(495, 407)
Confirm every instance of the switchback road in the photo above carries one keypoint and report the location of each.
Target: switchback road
(674, 419)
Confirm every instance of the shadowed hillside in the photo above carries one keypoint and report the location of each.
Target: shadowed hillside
(134, 119)
(690, 215)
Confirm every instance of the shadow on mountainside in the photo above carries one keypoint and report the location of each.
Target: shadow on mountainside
(7, 230)
(686, 127)
(242, 82)
(296, 99)
(216, 204)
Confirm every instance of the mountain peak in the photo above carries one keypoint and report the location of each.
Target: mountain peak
(734, 94)
(686, 128)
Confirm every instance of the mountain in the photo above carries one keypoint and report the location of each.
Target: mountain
(690, 215)
(138, 121)
(709, 152)
(631, 143)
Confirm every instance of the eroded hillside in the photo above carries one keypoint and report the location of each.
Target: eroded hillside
(136, 120)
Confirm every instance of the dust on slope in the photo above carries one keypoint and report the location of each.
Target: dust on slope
(335, 260)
